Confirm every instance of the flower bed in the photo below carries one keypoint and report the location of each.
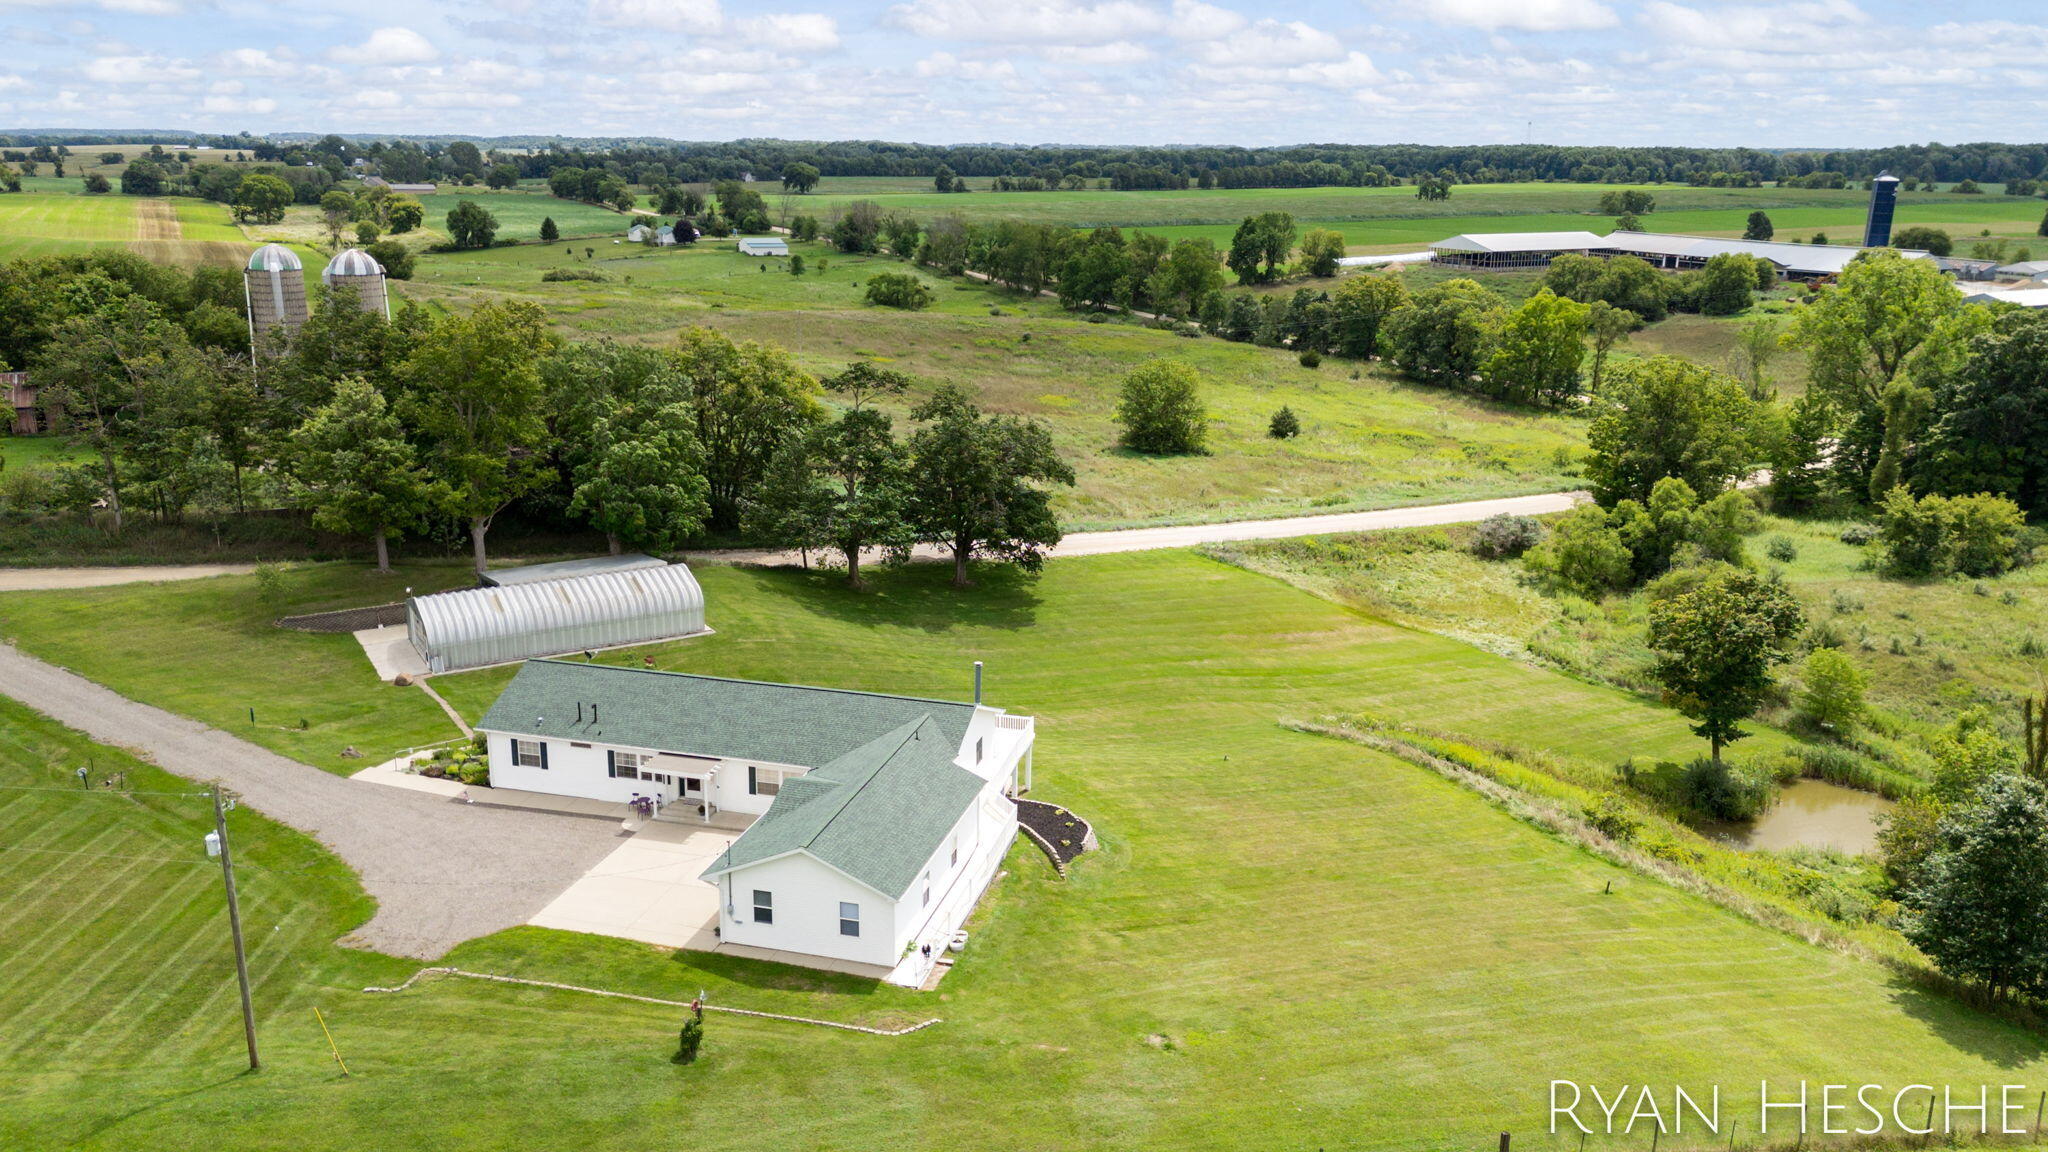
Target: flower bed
(1059, 832)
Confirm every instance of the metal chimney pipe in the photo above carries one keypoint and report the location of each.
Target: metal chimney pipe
(977, 681)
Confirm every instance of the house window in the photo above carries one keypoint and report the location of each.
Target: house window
(927, 889)
(849, 919)
(764, 907)
(626, 765)
(530, 753)
(977, 749)
(956, 853)
(768, 781)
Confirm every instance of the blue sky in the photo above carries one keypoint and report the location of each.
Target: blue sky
(1697, 72)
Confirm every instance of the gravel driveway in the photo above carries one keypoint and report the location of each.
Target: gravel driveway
(440, 870)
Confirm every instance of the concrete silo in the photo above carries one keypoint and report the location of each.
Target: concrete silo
(274, 284)
(357, 269)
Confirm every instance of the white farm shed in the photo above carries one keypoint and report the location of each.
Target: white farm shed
(763, 246)
(496, 625)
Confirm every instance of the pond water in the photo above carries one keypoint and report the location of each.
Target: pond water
(1813, 814)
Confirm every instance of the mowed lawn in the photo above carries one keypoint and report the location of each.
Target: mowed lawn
(1369, 440)
(1286, 942)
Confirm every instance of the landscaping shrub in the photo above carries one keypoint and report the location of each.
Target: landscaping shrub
(689, 1040)
(1504, 536)
(1935, 536)
(1720, 790)
(1310, 358)
(1584, 555)
(1831, 695)
(1613, 819)
(558, 275)
(1858, 535)
(1161, 409)
(1285, 425)
(1781, 549)
(898, 290)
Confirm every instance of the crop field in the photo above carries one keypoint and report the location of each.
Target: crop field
(1369, 441)
(1433, 965)
(49, 223)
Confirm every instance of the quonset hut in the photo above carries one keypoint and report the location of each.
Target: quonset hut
(494, 625)
(356, 269)
(274, 287)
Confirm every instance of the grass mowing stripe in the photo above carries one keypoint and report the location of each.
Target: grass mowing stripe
(137, 926)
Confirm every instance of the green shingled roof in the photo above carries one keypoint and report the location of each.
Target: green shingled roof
(877, 813)
(707, 715)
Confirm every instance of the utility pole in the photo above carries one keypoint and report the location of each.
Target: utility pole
(227, 872)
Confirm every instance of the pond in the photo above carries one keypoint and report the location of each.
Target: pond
(1813, 814)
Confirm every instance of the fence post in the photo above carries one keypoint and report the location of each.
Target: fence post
(1504, 1142)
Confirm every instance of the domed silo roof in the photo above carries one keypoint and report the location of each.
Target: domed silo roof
(274, 258)
(351, 262)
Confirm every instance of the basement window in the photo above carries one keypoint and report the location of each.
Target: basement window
(849, 919)
(764, 907)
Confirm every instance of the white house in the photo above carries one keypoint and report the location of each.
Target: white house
(873, 823)
(763, 246)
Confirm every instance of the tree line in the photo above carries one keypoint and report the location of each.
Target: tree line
(385, 429)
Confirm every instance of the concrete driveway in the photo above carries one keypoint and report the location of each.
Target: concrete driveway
(647, 889)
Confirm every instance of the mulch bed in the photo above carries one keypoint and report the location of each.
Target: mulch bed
(1059, 832)
(347, 619)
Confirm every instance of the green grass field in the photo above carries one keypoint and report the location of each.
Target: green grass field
(47, 223)
(35, 451)
(1368, 442)
(1928, 648)
(1332, 948)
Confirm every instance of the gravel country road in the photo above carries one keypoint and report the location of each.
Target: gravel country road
(440, 870)
(1189, 535)
(41, 579)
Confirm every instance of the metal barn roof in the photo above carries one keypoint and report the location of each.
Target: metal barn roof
(1812, 259)
(1521, 242)
(562, 569)
(480, 626)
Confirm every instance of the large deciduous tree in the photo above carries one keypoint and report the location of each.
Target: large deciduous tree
(1536, 358)
(1980, 910)
(1160, 409)
(749, 400)
(1664, 416)
(360, 474)
(1716, 644)
(1359, 308)
(470, 225)
(262, 198)
(473, 394)
(975, 483)
(1859, 335)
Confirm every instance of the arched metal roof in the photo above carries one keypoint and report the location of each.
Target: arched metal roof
(274, 258)
(479, 626)
(351, 262)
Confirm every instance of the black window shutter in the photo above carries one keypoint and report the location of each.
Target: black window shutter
(543, 754)
(611, 763)
(753, 780)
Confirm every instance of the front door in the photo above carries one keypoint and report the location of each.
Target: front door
(661, 785)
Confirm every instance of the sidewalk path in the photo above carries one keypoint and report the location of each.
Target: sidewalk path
(1189, 535)
(440, 870)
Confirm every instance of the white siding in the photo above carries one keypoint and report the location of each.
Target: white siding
(807, 896)
(580, 769)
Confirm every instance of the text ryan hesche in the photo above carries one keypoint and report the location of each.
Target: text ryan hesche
(1827, 1109)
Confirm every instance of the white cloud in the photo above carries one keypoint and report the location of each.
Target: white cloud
(234, 105)
(1120, 54)
(387, 47)
(1269, 44)
(132, 7)
(1073, 22)
(793, 31)
(662, 15)
(139, 70)
(1799, 26)
(1516, 15)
